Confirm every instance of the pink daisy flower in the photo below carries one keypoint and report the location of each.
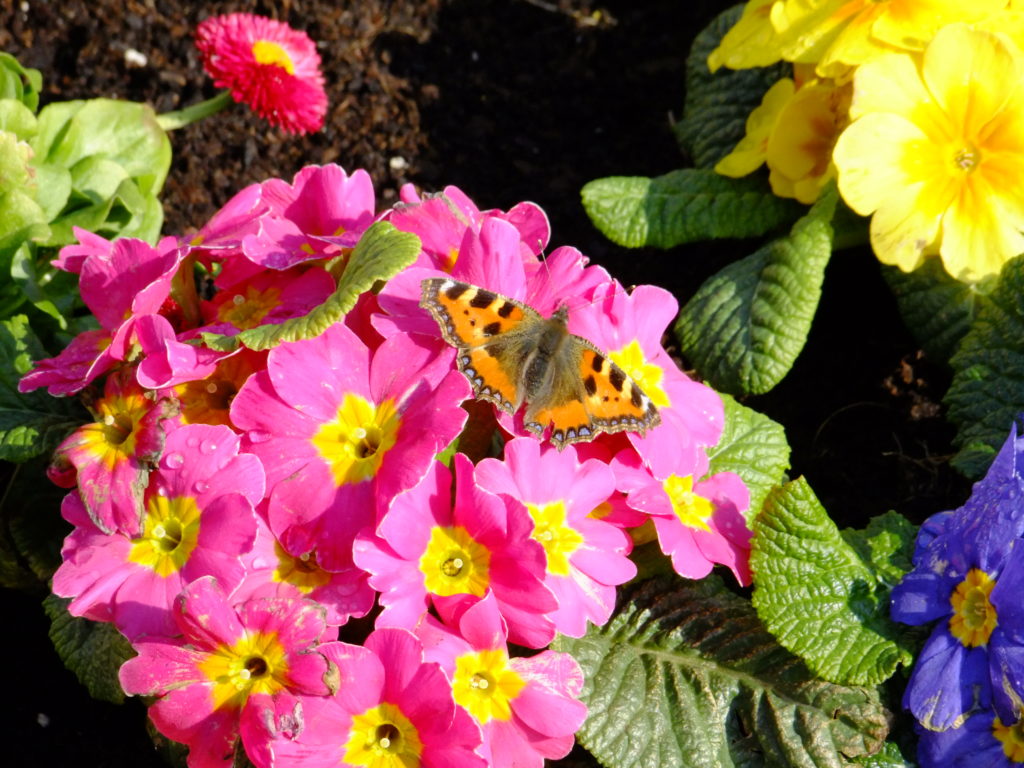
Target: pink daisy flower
(231, 665)
(392, 709)
(268, 65)
(585, 557)
(424, 549)
(342, 430)
(527, 707)
(198, 520)
(699, 522)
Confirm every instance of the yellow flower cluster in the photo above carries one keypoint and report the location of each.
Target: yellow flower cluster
(916, 106)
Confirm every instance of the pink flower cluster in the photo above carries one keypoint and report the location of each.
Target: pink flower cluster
(231, 510)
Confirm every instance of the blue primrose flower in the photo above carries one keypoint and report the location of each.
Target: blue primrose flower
(968, 577)
(984, 741)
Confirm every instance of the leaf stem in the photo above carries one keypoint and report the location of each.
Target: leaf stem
(170, 121)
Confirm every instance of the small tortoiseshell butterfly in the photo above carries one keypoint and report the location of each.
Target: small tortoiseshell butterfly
(512, 355)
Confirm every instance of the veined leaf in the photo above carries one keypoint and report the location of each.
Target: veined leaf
(754, 447)
(745, 326)
(717, 105)
(987, 392)
(824, 594)
(685, 676)
(682, 207)
(381, 253)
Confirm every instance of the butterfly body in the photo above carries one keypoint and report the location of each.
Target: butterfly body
(512, 356)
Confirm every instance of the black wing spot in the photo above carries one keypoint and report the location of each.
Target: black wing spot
(456, 290)
(597, 363)
(634, 397)
(506, 309)
(482, 299)
(590, 385)
(492, 329)
(617, 378)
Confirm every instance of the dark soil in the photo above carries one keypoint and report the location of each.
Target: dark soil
(509, 100)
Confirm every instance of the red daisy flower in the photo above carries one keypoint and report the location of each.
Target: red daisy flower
(268, 65)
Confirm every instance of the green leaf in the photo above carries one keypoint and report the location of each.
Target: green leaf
(987, 392)
(682, 207)
(685, 676)
(754, 447)
(937, 308)
(53, 188)
(381, 253)
(18, 82)
(825, 595)
(745, 326)
(717, 105)
(21, 220)
(94, 651)
(122, 131)
(31, 528)
(17, 118)
(31, 423)
(889, 757)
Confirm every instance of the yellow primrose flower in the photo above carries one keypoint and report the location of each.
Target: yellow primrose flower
(752, 150)
(936, 153)
(751, 42)
(841, 33)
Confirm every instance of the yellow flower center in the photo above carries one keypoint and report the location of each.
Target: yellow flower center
(383, 737)
(170, 531)
(648, 375)
(453, 256)
(974, 617)
(112, 438)
(1012, 738)
(966, 159)
(257, 663)
(354, 444)
(693, 510)
(454, 563)
(558, 538)
(267, 52)
(484, 685)
(247, 311)
(303, 573)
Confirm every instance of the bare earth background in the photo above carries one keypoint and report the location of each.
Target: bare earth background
(510, 100)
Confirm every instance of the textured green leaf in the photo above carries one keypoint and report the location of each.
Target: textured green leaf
(92, 650)
(937, 308)
(754, 447)
(717, 105)
(685, 676)
(18, 82)
(987, 392)
(682, 207)
(381, 253)
(825, 595)
(32, 423)
(31, 528)
(889, 757)
(745, 326)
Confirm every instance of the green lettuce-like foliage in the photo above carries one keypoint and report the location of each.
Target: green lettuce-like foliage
(987, 392)
(685, 676)
(824, 594)
(32, 423)
(381, 253)
(683, 207)
(745, 326)
(94, 651)
(718, 104)
(937, 308)
(754, 447)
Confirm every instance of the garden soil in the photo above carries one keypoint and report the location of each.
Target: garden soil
(509, 100)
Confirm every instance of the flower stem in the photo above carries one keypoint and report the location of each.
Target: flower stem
(182, 117)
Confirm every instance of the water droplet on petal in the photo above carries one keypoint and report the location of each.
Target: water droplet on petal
(174, 460)
(208, 446)
(258, 436)
(201, 487)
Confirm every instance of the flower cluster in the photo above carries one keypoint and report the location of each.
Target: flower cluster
(233, 509)
(916, 105)
(967, 685)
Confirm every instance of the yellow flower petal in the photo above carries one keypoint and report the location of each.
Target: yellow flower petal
(751, 42)
(751, 150)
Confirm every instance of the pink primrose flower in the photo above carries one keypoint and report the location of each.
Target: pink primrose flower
(392, 709)
(342, 430)
(527, 707)
(198, 521)
(321, 212)
(268, 65)
(232, 665)
(629, 327)
(208, 400)
(238, 217)
(585, 557)
(110, 458)
(424, 549)
(699, 522)
(89, 355)
(270, 571)
(269, 298)
(168, 359)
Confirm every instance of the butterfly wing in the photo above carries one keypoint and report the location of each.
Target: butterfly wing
(490, 332)
(589, 394)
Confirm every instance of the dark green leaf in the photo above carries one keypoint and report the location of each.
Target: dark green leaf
(685, 676)
(31, 528)
(745, 326)
(682, 207)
